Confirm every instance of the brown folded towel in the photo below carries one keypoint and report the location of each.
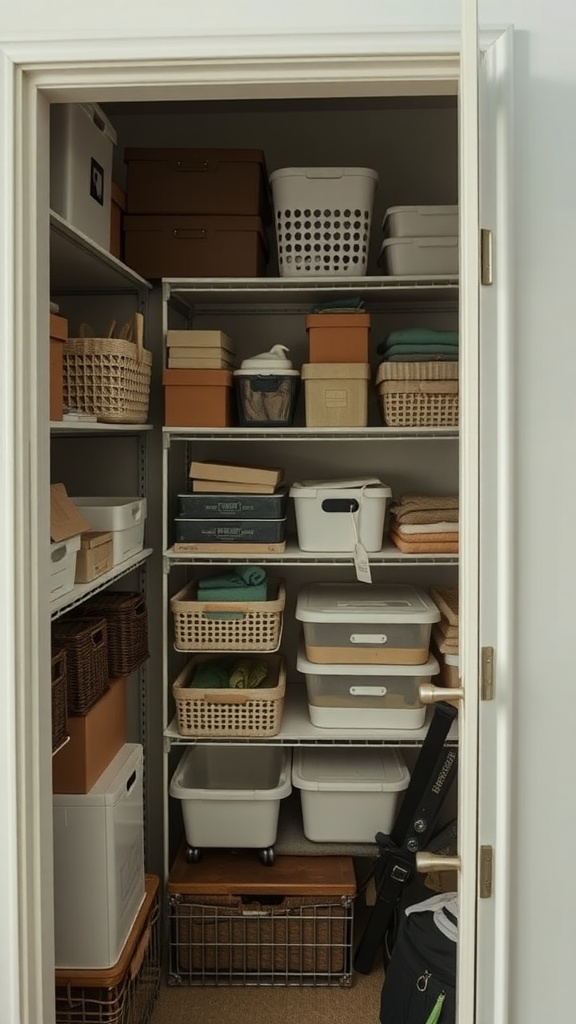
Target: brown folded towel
(446, 600)
(423, 516)
(448, 632)
(443, 645)
(416, 502)
(430, 546)
(423, 536)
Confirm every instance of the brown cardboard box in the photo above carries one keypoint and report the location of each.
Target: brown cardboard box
(66, 519)
(233, 473)
(95, 556)
(117, 211)
(58, 337)
(338, 338)
(95, 738)
(198, 398)
(184, 246)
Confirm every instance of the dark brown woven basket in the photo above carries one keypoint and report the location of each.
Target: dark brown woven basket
(59, 729)
(127, 621)
(85, 643)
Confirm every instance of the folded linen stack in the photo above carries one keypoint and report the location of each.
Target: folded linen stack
(446, 632)
(242, 583)
(240, 673)
(425, 524)
(419, 344)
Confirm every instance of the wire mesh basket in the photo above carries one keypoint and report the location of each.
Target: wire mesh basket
(59, 727)
(238, 940)
(230, 712)
(227, 625)
(125, 993)
(433, 369)
(419, 403)
(85, 643)
(127, 628)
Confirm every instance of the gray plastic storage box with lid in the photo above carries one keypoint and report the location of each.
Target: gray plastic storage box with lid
(352, 623)
(348, 795)
(366, 696)
(333, 515)
(420, 221)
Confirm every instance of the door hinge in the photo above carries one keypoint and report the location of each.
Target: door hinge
(487, 674)
(485, 868)
(486, 267)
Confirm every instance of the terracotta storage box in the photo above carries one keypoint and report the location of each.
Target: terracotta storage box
(198, 398)
(223, 181)
(195, 246)
(58, 336)
(95, 738)
(338, 337)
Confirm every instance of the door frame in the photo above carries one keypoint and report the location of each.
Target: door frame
(33, 74)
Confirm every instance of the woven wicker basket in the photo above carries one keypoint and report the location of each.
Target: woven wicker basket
(420, 403)
(59, 728)
(109, 377)
(230, 712)
(197, 626)
(85, 643)
(436, 369)
(127, 629)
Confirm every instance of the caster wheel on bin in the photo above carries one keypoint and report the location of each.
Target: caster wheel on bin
(192, 855)
(267, 856)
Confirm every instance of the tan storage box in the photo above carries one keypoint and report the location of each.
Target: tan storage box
(58, 335)
(221, 181)
(195, 246)
(198, 398)
(117, 211)
(336, 394)
(95, 738)
(338, 338)
(95, 556)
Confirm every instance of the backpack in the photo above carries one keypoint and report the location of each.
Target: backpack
(420, 982)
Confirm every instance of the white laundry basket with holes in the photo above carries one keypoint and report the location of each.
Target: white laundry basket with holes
(322, 217)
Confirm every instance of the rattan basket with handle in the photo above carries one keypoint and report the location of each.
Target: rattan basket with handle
(109, 377)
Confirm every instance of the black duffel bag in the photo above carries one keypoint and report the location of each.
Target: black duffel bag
(420, 982)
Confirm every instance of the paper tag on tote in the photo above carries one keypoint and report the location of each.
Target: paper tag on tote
(362, 564)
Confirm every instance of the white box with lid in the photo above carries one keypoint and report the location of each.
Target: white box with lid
(99, 864)
(366, 697)
(230, 796)
(411, 257)
(63, 555)
(356, 623)
(420, 221)
(332, 515)
(124, 518)
(347, 796)
(82, 142)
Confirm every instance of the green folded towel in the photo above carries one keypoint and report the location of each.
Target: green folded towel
(421, 336)
(248, 673)
(231, 594)
(418, 349)
(241, 576)
(213, 674)
(349, 304)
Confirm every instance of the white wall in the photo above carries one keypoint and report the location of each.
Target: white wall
(543, 896)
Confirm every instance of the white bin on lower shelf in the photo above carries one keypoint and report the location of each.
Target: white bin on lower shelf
(230, 795)
(348, 795)
(366, 696)
(63, 555)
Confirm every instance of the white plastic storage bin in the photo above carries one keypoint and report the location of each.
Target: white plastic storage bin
(125, 518)
(323, 217)
(82, 141)
(352, 623)
(420, 221)
(230, 795)
(99, 864)
(332, 515)
(63, 555)
(347, 796)
(409, 257)
(372, 697)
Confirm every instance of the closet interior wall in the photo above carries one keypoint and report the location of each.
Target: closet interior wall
(412, 142)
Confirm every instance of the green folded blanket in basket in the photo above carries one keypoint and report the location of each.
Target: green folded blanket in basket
(413, 339)
(229, 673)
(244, 583)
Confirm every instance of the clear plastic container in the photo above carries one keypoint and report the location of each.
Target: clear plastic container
(266, 389)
